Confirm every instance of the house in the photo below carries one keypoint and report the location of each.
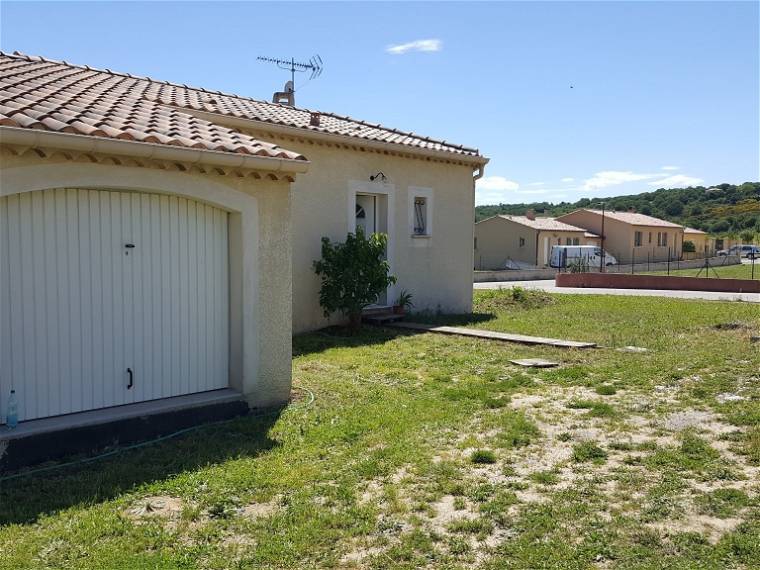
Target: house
(629, 235)
(157, 240)
(703, 243)
(526, 239)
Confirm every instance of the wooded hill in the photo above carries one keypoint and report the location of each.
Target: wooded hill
(719, 210)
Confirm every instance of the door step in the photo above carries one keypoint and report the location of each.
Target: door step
(382, 318)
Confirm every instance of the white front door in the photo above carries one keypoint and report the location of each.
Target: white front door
(109, 298)
(366, 213)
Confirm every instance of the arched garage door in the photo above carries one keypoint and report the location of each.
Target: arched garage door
(110, 298)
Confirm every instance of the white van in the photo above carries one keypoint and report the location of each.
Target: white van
(564, 255)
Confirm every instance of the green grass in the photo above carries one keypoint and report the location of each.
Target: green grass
(483, 456)
(359, 473)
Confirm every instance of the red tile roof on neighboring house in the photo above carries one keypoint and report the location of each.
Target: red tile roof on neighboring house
(693, 231)
(545, 224)
(636, 219)
(55, 95)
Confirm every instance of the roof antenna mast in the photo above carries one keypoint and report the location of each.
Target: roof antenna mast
(314, 67)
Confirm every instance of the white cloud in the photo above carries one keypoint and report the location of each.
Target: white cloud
(498, 183)
(536, 184)
(614, 177)
(676, 181)
(568, 179)
(537, 191)
(670, 168)
(494, 190)
(417, 45)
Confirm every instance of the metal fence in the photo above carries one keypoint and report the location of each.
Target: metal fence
(698, 265)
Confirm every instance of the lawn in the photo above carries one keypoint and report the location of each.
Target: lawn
(424, 450)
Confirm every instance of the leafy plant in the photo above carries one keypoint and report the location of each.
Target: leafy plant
(688, 247)
(405, 300)
(354, 273)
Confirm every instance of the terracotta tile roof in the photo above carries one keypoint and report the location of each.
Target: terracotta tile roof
(55, 96)
(636, 219)
(693, 231)
(590, 234)
(31, 80)
(547, 224)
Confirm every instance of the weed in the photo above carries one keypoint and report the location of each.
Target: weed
(588, 451)
(483, 456)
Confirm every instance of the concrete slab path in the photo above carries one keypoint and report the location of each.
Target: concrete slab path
(549, 286)
(493, 335)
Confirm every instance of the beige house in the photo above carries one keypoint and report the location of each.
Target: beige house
(525, 239)
(703, 243)
(631, 236)
(157, 240)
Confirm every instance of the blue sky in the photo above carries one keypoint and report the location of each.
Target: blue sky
(663, 93)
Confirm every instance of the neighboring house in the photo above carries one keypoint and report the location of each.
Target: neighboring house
(157, 241)
(703, 243)
(526, 239)
(631, 236)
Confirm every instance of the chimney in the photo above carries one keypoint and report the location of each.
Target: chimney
(530, 214)
(314, 119)
(286, 97)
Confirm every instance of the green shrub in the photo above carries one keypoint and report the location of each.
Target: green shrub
(354, 274)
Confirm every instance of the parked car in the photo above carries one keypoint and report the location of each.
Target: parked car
(564, 255)
(748, 251)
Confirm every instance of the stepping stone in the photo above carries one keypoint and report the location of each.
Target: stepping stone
(535, 363)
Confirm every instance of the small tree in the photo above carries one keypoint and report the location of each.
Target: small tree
(688, 247)
(353, 274)
(747, 236)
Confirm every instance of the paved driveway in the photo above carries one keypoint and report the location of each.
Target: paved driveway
(548, 285)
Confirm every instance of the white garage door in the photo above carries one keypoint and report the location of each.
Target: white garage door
(110, 298)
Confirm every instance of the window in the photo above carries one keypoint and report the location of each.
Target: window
(476, 243)
(420, 212)
(638, 238)
(664, 239)
(650, 237)
(420, 216)
(659, 239)
(568, 241)
(522, 242)
(576, 241)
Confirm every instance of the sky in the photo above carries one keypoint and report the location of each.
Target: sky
(567, 99)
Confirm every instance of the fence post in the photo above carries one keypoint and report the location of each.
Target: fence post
(668, 261)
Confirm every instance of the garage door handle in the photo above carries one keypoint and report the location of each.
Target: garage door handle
(131, 378)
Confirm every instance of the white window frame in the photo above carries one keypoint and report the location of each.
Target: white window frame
(427, 194)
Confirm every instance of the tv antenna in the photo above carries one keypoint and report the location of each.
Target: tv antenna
(314, 67)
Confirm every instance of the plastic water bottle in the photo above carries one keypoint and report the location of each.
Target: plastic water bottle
(12, 416)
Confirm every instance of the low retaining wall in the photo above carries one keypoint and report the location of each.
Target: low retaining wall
(623, 281)
(514, 275)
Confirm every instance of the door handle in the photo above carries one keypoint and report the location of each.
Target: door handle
(131, 379)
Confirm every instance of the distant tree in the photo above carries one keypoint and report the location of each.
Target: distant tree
(674, 208)
(747, 236)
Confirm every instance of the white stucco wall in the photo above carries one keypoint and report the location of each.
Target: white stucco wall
(437, 270)
(260, 253)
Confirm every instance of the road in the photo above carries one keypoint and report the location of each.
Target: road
(549, 286)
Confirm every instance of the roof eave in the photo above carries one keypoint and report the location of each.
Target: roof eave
(36, 138)
(253, 124)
